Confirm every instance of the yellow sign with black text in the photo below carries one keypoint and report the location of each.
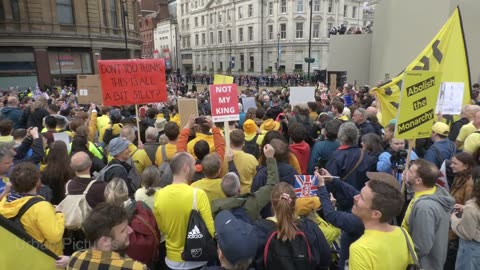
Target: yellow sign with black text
(418, 99)
(445, 53)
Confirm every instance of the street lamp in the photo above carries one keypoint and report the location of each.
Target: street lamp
(125, 15)
(231, 57)
(178, 53)
(310, 40)
(278, 55)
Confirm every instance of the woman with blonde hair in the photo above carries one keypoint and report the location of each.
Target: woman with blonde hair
(286, 228)
(116, 192)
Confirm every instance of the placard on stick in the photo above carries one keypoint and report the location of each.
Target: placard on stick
(132, 81)
(224, 101)
(416, 110)
(89, 89)
(187, 107)
(300, 95)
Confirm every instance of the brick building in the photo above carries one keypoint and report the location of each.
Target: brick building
(49, 42)
(152, 11)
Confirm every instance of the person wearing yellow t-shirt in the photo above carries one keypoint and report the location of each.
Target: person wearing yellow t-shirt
(211, 184)
(172, 218)
(468, 129)
(472, 143)
(427, 218)
(171, 131)
(246, 163)
(382, 246)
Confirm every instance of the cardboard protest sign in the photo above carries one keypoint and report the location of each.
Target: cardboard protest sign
(416, 110)
(300, 95)
(450, 98)
(222, 79)
(224, 102)
(89, 89)
(248, 102)
(187, 107)
(306, 186)
(133, 81)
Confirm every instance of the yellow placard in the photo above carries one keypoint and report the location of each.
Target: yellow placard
(446, 53)
(222, 79)
(418, 99)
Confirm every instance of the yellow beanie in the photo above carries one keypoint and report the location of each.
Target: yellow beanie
(303, 206)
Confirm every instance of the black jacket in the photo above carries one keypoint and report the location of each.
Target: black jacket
(120, 173)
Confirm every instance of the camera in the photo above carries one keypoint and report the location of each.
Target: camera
(200, 120)
(398, 159)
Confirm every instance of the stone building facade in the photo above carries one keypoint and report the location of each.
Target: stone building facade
(49, 42)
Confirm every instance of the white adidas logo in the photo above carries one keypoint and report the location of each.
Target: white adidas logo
(195, 233)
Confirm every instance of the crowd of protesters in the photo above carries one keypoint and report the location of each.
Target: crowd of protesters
(112, 188)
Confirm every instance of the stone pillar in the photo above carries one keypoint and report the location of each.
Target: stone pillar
(96, 55)
(43, 67)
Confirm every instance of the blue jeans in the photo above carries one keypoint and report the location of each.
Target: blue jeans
(468, 256)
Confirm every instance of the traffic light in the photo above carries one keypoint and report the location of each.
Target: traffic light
(276, 66)
(309, 60)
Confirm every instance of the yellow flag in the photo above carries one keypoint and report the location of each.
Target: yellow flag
(445, 53)
(222, 79)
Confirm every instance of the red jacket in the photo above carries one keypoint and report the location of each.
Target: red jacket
(302, 152)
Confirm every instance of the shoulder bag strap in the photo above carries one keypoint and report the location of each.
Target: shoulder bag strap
(194, 207)
(164, 153)
(26, 206)
(89, 186)
(66, 187)
(356, 165)
(410, 249)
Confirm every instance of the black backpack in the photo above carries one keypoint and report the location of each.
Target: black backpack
(288, 255)
(310, 137)
(16, 219)
(251, 147)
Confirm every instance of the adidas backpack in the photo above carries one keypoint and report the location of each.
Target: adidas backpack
(288, 255)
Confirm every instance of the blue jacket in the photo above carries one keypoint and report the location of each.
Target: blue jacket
(351, 225)
(384, 164)
(440, 151)
(285, 171)
(321, 150)
(343, 161)
(13, 114)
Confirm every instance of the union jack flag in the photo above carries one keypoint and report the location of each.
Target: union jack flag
(306, 186)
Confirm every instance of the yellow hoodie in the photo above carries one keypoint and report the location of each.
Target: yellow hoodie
(40, 221)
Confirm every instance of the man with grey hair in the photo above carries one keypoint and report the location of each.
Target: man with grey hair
(364, 126)
(81, 163)
(247, 207)
(139, 157)
(151, 142)
(350, 162)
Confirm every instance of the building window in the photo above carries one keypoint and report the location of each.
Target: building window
(240, 12)
(113, 13)
(316, 5)
(283, 30)
(299, 5)
(345, 10)
(250, 33)
(240, 34)
(250, 11)
(330, 26)
(299, 30)
(270, 8)
(229, 35)
(354, 12)
(196, 40)
(283, 6)
(242, 61)
(330, 6)
(270, 32)
(252, 61)
(203, 39)
(220, 36)
(316, 30)
(64, 11)
(229, 15)
(219, 16)
(211, 18)
(104, 13)
(196, 21)
(182, 8)
(211, 37)
(203, 20)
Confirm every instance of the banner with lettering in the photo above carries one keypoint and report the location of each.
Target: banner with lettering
(418, 99)
(224, 101)
(132, 81)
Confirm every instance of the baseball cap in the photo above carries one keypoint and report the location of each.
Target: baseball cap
(250, 127)
(441, 128)
(236, 239)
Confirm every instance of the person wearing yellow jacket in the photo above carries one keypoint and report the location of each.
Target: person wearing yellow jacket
(41, 220)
